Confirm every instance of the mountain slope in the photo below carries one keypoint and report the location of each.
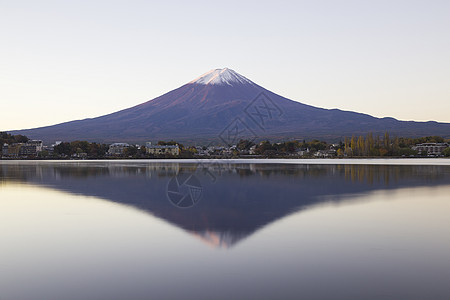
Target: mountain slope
(221, 103)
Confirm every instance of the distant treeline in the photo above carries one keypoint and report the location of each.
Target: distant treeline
(96, 150)
(354, 146)
(92, 150)
(361, 146)
(385, 146)
(7, 138)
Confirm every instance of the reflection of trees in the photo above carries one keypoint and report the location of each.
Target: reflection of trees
(24, 172)
(19, 172)
(386, 173)
(370, 174)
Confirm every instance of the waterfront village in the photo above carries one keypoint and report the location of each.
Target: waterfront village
(20, 147)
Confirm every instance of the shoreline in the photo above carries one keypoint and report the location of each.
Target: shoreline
(316, 161)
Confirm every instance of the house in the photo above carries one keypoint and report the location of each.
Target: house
(202, 152)
(117, 148)
(325, 153)
(30, 148)
(431, 148)
(162, 149)
(12, 150)
(37, 144)
(321, 153)
(301, 152)
(6, 150)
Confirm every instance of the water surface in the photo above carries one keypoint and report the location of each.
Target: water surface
(131, 230)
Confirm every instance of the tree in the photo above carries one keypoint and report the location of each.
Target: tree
(424, 153)
(396, 144)
(370, 144)
(43, 154)
(316, 145)
(7, 138)
(130, 151)
(93, 150)
(360, 146)
(286, 147)
(264, 147)
(143, 151)
(347, 149)
(446, 152)
(406, 152)
(244, 144)
(353, 145)
(80, 146)
(64, 149)
(387, 141)
(429, 139)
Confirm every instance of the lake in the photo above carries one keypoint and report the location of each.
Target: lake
(266, 229)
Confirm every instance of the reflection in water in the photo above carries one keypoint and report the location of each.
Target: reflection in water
(107, 230)
(237, 199)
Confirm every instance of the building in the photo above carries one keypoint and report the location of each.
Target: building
(325, 153)
(431, 148)
(12, 150)
(29, 149)
(117, 148)
(7, 151)
(38, 144)
(162, 150)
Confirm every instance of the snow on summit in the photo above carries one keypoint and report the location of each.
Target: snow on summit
(221, 77)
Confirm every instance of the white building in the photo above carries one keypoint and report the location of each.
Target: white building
(162, 150)
(28, 149)
(431, 148)
(117, 148)
(38, 144)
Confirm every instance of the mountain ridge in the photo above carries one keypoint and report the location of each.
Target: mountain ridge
(220, 100)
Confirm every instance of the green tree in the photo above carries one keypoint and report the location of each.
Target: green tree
(264, 147)
(131, 151)
(43, 154)
(406, 152)
(63, 149)
(446, 152)
(316, 145)
(396, 145)
(7, 138)
(244, 144)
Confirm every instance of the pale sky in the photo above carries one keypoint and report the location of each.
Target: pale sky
(66, 60)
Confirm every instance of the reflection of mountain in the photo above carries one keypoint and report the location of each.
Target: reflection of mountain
(237, 199)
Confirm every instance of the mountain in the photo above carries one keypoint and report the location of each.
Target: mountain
(222, 106)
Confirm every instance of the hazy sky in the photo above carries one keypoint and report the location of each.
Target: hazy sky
(65, 60)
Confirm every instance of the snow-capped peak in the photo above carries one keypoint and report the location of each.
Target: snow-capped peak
(221, 77)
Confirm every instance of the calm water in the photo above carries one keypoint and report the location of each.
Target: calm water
(159, 230)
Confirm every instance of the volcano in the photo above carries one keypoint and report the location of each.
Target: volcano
(222, 106)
